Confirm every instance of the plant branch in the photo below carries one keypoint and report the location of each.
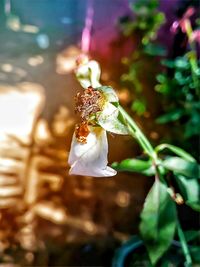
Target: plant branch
(184, 245)
(137, 134)
(193, 55)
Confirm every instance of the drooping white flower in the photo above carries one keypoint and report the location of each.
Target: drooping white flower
(98, 110)
(90, 158)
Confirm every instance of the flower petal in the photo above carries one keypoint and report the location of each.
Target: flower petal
(109, 94)
(109, 120)
(89, 74)
(90, 158)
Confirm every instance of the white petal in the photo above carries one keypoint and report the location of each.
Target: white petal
(109, 94)
(90, 159)
(108, 120)
(95, 73)
(89, 74)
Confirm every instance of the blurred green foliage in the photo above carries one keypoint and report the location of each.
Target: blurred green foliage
(176, 177)
(181, 101)
(143, 27)
(176, 182)
(177, 83)
(147, 20)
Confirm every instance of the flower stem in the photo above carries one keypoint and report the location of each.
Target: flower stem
(184, 245)
(192, 55)
(138, 134)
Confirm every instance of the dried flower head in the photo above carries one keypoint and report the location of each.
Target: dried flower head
(82, 132)
(88, 103)
(98, 110)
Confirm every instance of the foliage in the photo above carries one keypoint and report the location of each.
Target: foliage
(144, 27)
(172, 257)
(158, 221)
(181, 101)
(176, 177)
(176, 181)
(147, 21)
(179, 84)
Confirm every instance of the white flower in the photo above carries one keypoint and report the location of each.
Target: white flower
(98, 110)
(90, 158)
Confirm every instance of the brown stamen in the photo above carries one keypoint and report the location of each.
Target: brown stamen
(88, 103)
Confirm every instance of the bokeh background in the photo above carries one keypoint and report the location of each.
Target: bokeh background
(48, 218)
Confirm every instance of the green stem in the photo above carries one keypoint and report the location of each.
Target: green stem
(193, 55)
(138, 134)
(189, 32)
(184, 245)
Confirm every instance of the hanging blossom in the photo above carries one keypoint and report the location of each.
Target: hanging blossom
(182, 23)
(195, 36)
(97, 107)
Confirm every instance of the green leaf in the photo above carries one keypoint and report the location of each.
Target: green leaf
(191, 235)
(140, 166)
(163, 88)
(190, 190)
(154, 50)
(176, 150)
(122, 253)
(149, 172)
(168, 63)
(182, 166)
(161, 78)
(195, 253)
(171, 116)
(158, 221)
(180, 79)
(139, 106)
(192, 127)
(181, 62)
(132, 165)
(194, 205)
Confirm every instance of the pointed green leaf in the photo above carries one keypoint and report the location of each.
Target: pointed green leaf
(132, 165)
(158, 221)
(182, 166)
(154, 50)
(191, 235)
(149, 172)
(139, 106)
(176, 150)
(195, 253)
(173, 115)
(190, 190)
